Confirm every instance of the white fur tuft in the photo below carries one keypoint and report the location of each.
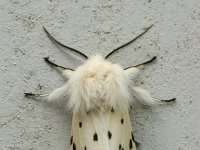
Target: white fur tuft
(98, 84)
(59, 96)
(132, 72)
(144, 96)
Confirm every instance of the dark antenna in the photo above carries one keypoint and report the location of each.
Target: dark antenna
(67, 47)
(133, 40)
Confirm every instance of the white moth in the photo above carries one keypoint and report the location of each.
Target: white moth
(100, 94)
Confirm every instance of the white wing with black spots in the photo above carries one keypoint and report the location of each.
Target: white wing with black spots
(102, 130)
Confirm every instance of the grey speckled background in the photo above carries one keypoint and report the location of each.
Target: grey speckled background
(98, 27)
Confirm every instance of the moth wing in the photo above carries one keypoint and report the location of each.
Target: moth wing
(83, 133)
(102, 130)
(121, 130)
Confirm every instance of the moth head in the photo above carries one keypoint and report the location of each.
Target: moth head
(98, 83)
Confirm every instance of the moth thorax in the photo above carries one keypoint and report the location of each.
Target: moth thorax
(99, 84)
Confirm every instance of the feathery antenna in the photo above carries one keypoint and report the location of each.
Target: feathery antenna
(133, 40)
(67, 47)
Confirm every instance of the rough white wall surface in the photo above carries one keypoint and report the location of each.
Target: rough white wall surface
(98, 26)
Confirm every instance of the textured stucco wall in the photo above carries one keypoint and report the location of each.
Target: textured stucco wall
(98, 27)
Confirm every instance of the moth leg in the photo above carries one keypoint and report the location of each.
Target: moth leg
(165, 101)
(142, 65)
(46, 59)
(65, 71)
(59, 96)
(144, 96)
(133, 71)
(34, 95)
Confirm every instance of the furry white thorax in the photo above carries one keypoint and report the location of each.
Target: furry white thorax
(98, 84)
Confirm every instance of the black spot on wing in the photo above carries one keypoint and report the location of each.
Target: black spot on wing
(74, 146)
(130, 144)
(80, 124)
(122, 121)
(120, 146)
(112, 110)
(109, 134)
(85, 148)
(95, 137)
(71, 140)
(132, 136)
